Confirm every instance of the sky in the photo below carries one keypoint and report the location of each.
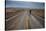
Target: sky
(22, 4)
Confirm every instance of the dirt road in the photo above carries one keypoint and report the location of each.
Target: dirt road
(24, 20)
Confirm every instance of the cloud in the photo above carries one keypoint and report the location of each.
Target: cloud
(24, 4)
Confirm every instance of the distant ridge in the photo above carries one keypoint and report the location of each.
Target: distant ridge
(21, 8)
